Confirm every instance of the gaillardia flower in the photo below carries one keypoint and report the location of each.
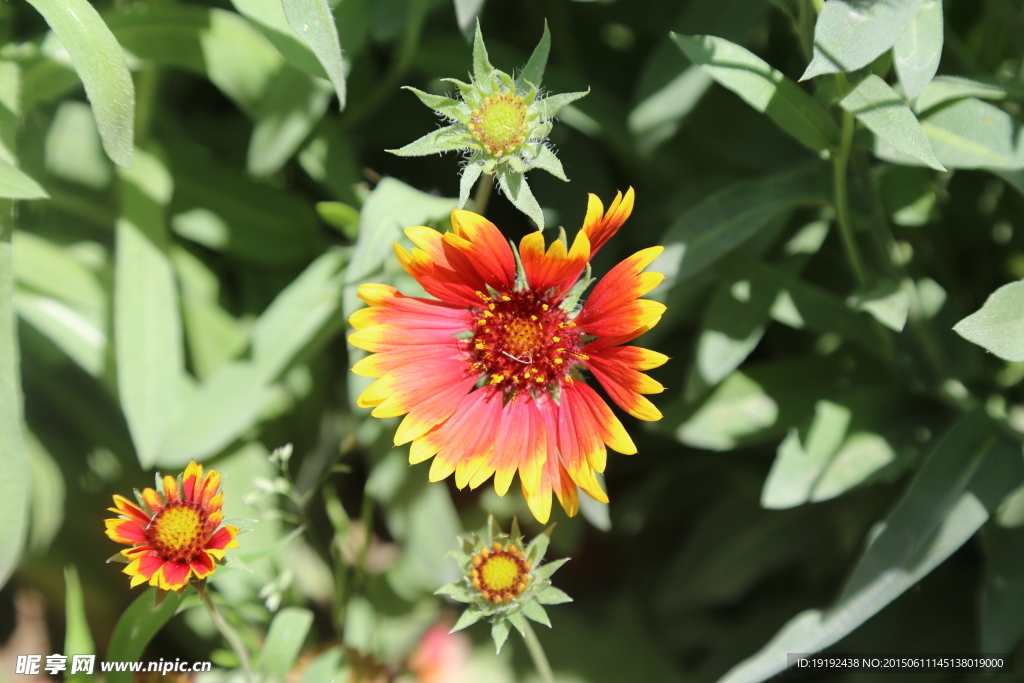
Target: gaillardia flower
(501, 123)
(490, 375)
(504, 581)
(173, 532)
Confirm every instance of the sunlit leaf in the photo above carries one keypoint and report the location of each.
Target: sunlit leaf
(313, 22)
(917, 52)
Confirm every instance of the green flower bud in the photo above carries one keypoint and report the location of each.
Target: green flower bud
(501, 123)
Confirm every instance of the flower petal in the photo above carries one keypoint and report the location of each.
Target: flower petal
(469, 433)
(172, 576)
(485, 248)
(453, 283)
(600, 226)
(223, 539)
(171, 489)
(624, 384)
(400, 391)
(127, 531)
(125, 507)
(143, 568)
(203, 565)
(555, 268)
(152, 499)
(190, 480)
(432, 412)
(521, 445)
(614, 308)
(554, 478)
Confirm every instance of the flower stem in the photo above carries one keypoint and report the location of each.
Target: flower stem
(840, 157)
(483, 193)
(540, 660)
(228, 631)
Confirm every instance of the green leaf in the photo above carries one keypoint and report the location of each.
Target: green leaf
(287, 113)
(738, 407)
(325, 668)
(533, 72)
(74, 150)
(917, 52)
(147, 322)
(968, 133)
(850, 35)
(731, 216)
(765, 89)
(15, 184)
(516, 189)
(217, 44)
(48, 497)
(73, 333)
(77, 637)
(545, 571)
(136, 627)
(943, 507)
(284, 640)
(1002, 596)
(16, 480)
(797, 466)
(860, 456)
(998, 326)
(446, 106)
(470, 174)
(656, 118)
(553, 104)
(340, 216)
(878, 107)
(270, 18)
(499, 634)
(101, 65)
(547, 161)
(313, 21)
(466, 13)
(943, 89)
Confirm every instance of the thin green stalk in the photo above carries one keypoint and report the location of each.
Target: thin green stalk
(229, 633)
(840, 158)
(540, 660)
(483, 193)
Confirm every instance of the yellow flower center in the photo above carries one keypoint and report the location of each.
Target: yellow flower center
(178, 532)
(500, 574)
(500, 123)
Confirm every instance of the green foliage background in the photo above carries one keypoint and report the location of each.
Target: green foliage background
(837, 467)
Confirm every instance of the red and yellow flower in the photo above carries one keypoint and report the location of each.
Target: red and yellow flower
(489, 376)
(174, 532)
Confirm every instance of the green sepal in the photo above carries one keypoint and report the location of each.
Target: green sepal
(518, 192)
(456, 591)
(514, 533)
(531, 609)
(159, 595)
(473, 169)
(533, 72)
(553, 596)
(517, 620)
(469, 92)
(142, 503)
(550, 106)
(547, 161)
(244, 524)
(538, 547)
(521, 285)
(481, 64)
(572, 297)
(544, 572)
(468, 618)
(448, 139)
(499, 633)
(445, 106)
(119, 558)
(234, 562)
(468, 334)
(493, 530)
(460, 557)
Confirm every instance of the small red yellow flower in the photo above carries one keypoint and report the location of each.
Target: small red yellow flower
(173, 532)
(489, 376)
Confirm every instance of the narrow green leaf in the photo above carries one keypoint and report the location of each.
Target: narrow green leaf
(533, 611)
(284, 640)
(551, 106)
(101, 65)
(850, 35)
(147, 321)
(998, 326)
(878, 107)
(446, 106)
(469, 617)
(968, 133)
(76, 335)
(136, 627)
(657, 117)
(16, 184)
(553, 596)
(730, 217)
(74, 150)
(765, 89)
(946, 88)
(77, 637)
(797, 467)
(448, 139)
(214, 43)
(287, 113)
(917, 52)
(471, 173)
(15, 483)
(1002, 596)
(943, 507)
(533, 72)
(269, 18)
(313, 22)
(547, 161)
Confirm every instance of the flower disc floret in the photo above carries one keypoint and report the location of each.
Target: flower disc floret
(499, 124)
(173, 530)
(500, 573)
